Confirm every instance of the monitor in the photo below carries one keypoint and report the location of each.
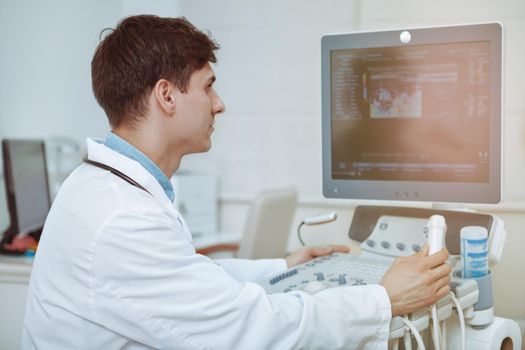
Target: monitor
(27, 189)
(413, 114)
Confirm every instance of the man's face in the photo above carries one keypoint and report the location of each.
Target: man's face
(195, 112)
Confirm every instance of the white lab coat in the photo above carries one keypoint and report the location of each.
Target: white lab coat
(116, 269)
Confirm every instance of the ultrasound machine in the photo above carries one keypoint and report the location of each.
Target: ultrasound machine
(415, 115)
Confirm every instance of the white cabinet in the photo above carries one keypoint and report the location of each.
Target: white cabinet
(14, 283)
(196, 198)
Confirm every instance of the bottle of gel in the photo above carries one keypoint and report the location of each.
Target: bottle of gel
(474, 251)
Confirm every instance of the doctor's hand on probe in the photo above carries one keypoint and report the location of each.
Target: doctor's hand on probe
(308, 253)
(417, 281)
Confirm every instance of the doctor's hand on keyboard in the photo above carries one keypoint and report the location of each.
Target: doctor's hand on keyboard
(308, 253)
(417, 281)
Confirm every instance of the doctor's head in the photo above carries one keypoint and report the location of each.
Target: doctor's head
(153, 65)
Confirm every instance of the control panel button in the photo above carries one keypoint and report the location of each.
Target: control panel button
(314, 287)
(371, 243)
(282, 276)
(400, 246)
(385, 244)
(342, 279)
(416, 248)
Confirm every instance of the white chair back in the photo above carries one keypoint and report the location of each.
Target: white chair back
(268, 225)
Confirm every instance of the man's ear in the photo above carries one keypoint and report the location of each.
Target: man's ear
(164, 93)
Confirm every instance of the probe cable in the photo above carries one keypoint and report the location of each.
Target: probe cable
(415, 332)
(435, 328)
(299, 233)
(461, 319)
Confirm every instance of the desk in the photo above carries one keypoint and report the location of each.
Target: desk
(14, 283)
(15, 269)
(217, 243)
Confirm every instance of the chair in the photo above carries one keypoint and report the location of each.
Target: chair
(268, 225)
(266, 229)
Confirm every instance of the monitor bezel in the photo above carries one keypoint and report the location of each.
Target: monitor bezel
(7, 145)
(455, 192)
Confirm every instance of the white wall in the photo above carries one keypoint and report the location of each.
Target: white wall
(269, 79)
(45, 84)
(165, 8)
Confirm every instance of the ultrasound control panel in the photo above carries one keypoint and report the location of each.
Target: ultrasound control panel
(336, 270)
(392, 236)
(396, 236)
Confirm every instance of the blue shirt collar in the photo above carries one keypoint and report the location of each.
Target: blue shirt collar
(121, 146)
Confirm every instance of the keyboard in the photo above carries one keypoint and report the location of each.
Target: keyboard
(336, 270)
(339, 270)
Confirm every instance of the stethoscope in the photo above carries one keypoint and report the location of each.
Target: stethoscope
(121, 175)
(117, 173)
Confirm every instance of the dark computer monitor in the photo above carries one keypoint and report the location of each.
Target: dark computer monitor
(413, 114)
(27, 189)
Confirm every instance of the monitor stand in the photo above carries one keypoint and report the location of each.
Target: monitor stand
(451, 206)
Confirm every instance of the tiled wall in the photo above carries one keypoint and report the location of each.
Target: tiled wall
(269, 78)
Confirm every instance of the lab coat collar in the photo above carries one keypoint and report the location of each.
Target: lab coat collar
(123, 147)
(99, 152)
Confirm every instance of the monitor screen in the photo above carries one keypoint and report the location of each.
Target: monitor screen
(26, 184)
(413, 114)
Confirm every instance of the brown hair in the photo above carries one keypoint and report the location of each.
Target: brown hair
(134, 56)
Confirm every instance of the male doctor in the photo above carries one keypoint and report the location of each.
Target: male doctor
(116, 268)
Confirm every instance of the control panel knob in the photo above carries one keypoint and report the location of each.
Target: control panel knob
(314, 287)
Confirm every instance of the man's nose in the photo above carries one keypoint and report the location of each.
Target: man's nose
(218, 106)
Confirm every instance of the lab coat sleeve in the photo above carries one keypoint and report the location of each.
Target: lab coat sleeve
(245, 270)
(150, 286)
